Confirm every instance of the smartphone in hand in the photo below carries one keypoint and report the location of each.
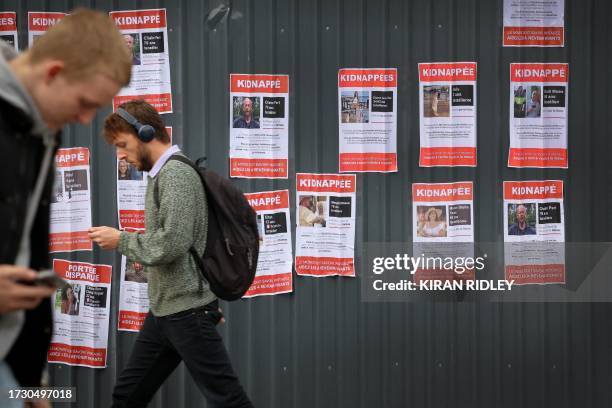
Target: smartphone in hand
(48, 277)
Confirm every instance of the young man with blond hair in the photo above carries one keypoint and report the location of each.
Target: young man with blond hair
(65, 77)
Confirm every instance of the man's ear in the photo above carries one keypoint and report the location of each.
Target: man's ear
(51, 69)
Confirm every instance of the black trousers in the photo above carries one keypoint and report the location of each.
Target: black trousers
(190, 336)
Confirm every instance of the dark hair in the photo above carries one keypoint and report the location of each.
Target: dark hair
(144, 113)
(64, 292)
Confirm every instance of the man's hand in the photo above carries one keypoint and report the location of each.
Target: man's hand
(105, 237)
(18, 296)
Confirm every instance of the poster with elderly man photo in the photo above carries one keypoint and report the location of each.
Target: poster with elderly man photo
(533, 211)
(259, 126)
(145, 33)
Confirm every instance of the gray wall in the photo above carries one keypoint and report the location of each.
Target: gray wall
(322, 346)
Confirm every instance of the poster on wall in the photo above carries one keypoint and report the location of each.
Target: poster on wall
(443, 226)
(275, 263)
(534, 232)
(447, 101)
(81, 313)
(533, 211)
(534, 23)
(325, 231)
(367, 119)
(70, 213)
(131, 190)
(259, 126)
(443, 212)
(133, 296)
(538, 115)
(146, 35)
(40, 22)
(8, 28)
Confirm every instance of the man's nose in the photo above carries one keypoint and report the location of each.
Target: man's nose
(85, 117)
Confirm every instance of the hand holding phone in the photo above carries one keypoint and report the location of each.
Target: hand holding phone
(48, 277)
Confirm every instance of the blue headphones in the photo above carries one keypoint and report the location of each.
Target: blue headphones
(146, 133)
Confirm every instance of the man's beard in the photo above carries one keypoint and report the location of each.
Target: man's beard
(144, 158)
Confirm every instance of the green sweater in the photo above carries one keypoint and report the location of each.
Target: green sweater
(181, 221)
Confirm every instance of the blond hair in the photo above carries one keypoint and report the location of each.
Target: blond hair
(89, 43)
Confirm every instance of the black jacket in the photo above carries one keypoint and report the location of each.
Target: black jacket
(21, 155)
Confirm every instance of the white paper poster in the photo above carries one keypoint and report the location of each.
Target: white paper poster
(534, 23)
(81, 314)
(367, 118)
(447, 101)
(259, 126)
(146, 35)
(443, 215)
(533, 211)
(131, 190)
(275, 263)
(8, 28)
(538, 115)
(71, 202)
(40, 22)
(133, 296)
(443, 212)
(325, 232)
(534, 232)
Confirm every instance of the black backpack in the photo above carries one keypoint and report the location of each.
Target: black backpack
(232, 244)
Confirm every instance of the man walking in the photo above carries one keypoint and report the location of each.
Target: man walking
(181, 324)
(63, 78)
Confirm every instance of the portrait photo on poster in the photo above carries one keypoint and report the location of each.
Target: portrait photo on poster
(431, 221)
(355, 106)
(246, 112)
(313, 211)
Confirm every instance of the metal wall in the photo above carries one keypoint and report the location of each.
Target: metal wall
(322, 346)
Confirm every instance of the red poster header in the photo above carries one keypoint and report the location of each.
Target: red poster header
(539, 72)
(538, 190)
(138, 19)
(82, 271)
(76, 156)
(367, 78)
(447, 71)
(42, 21)
(269, 200)
(442, 192)
(8, 21)
(259, 83)
(323, 183)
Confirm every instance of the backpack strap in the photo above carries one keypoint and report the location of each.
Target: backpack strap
(183, 159)
(180, 158)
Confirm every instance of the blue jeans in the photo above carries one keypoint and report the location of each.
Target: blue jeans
(7, 381)
(163, 342)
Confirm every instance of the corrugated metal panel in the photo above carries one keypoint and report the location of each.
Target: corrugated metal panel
(321, 346)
